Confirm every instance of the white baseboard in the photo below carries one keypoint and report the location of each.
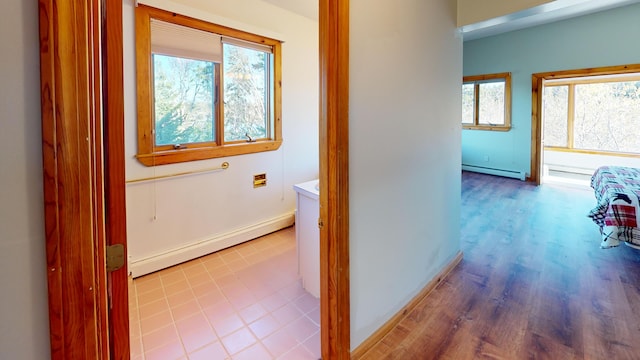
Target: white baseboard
(139, 267)
(516, 174)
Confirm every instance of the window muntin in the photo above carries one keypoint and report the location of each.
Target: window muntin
(603, 114)
(486, 102)
(197, 101)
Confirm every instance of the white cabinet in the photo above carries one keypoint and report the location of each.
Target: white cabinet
(308, 235)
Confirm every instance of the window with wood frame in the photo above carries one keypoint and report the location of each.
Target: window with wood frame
(204, 91)
(486, 102)
(592, 114)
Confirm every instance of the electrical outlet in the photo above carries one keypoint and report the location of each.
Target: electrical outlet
(486, 158)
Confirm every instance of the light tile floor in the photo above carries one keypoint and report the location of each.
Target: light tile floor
(245, 302)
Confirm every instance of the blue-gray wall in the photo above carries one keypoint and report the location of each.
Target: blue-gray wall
(608, 38)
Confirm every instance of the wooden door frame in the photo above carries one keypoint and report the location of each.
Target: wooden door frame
(72, 175)
(537, 81)
(334, 179)
(115, 188)
(83, 172)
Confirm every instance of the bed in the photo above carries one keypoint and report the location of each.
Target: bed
(617, 191)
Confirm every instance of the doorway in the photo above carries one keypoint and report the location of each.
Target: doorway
(104, 331)
(588, 122)
(573, 131)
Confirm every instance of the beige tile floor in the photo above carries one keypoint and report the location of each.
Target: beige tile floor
(245, 302)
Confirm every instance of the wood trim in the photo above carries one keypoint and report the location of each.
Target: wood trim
(98, 181)
(591, 152)
(606, 70)
(48, 103)
(473, 78)
(486, 127)
(476, 107)
(114, 187)
(392, 323)
(507, 100)
(536, 105)
(184, 20)
(151, 155)
(600, 80)
(144, 91)
(334, 179)
(219, 114)
(72, 173)
(276, 127)
(477, 80)
(169, 157)
(536, 130)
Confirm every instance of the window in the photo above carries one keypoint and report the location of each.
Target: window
(592, 114)
(204, 91)
(486, 102)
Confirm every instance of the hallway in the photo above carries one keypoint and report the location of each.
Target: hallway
(533, 283)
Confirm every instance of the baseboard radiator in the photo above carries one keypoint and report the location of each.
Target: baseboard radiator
(492, 171)
(145, 265)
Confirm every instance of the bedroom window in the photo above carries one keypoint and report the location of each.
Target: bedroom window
(486, 102)
(596, 114)
(204, 91)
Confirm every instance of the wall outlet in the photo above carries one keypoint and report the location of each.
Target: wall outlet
(259, 180)
(486, 158)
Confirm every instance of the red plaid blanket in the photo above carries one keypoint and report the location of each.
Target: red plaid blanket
(617, 190)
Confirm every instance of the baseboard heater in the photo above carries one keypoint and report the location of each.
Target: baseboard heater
(499, 172)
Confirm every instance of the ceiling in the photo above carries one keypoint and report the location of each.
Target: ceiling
(538, 15)
(543, 14)
(306, 8)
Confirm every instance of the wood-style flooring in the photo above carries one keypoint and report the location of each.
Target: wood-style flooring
(533, 283)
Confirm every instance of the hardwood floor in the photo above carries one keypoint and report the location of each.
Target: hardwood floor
(533, 283)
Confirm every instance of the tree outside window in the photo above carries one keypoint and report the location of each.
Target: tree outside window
(597, 114)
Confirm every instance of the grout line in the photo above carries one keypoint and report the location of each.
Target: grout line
(270, 247)
(137, 310)
(215, 333)
(173, 320)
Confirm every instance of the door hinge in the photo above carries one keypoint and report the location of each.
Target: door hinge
(115, 257)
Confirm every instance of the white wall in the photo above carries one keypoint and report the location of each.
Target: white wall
(24, 323)
(404, 174)
(220, 208)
